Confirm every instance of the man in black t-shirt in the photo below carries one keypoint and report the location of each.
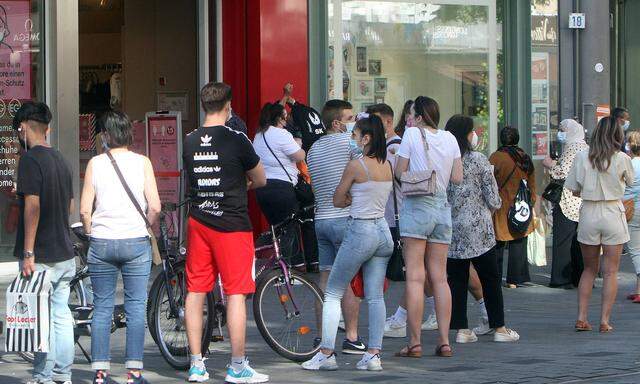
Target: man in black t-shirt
(45, 195)
(221, 165)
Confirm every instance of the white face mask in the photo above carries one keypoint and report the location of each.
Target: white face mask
(562, 137)
(626, 125)
(627, 148)
(474, 140)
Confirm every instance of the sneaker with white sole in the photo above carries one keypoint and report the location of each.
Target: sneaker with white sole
(353, 347)
(466, 336)
(509, 337)
(198, 374)
(370, 363)
(395, 328)
(321, 362)
(431, 324)
(247, 375)
(483, 328)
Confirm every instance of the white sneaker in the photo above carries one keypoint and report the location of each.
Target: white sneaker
(483, 328)
(247, 375)
(370, 363)
(321, 362)
(431, 324)
(509, 337)
(395, 328)
(466, 336)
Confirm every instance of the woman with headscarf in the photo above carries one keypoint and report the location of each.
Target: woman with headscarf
(566, 264)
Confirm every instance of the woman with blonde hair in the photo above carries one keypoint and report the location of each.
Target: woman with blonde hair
(633, 192)
(600, 176)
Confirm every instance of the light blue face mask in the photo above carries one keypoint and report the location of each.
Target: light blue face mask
(626, 125)
(562, 137)
(353, 147)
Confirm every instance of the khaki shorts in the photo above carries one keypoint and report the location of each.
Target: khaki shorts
(602, 222)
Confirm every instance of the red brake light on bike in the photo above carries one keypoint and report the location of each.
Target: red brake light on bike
(304, 330)
(284, 298)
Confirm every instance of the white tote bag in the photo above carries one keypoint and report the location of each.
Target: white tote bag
(27, 315)
(536, 244)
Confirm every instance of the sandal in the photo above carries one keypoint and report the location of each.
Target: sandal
(410, 351)
(583, 326)
(440, 352)
(605, 328)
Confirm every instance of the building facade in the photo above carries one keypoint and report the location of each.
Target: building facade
(501, 62)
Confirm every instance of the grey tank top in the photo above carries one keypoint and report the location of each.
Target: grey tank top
(369, 199)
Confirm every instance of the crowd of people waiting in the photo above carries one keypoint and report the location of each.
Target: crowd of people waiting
(419, 195)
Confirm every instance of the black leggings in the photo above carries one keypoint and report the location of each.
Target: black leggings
(458, 275)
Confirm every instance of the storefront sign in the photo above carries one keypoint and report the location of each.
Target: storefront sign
(540, 127)
(544, 30)
(16, 36)
(164, 146)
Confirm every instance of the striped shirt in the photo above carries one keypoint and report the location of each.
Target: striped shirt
(327, 159)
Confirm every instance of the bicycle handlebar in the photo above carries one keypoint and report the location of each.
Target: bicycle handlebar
(293, 217)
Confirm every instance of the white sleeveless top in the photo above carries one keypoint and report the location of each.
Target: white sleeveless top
(369, 199)
(115, 216)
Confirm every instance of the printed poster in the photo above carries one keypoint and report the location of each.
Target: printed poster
(16, 36)
(163, 142)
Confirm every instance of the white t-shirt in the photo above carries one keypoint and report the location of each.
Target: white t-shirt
(283, 145)
(443, 150)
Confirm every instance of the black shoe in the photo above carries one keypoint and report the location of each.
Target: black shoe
(133, 379)
(353, 347)
(103, 378)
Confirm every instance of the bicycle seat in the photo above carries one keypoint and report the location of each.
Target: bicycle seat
(78, 230)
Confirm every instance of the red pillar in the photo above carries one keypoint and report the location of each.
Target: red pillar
(265, 45)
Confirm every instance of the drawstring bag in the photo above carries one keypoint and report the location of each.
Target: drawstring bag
(27, 315)
(520, 212)
(357, 284)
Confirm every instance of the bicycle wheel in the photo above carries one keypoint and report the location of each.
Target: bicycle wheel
(170, 332)
(289, 321)
(77, 297)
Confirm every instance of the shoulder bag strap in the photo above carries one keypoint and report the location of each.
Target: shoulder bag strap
(264, 137)
(396, 217)
(126, 189)
(426, 149)
(509, 177)
(394, 141)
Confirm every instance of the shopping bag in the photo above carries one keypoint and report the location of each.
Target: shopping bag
(536, 245)
(27, 315)
(357, 284)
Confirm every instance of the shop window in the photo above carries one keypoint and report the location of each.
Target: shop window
(21, 79)
(392, 51)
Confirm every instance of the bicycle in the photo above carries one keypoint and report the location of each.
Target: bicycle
(289, 333)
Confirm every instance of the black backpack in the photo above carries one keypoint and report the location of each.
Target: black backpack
(521, 212)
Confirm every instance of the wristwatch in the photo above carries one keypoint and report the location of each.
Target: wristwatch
(28, 254)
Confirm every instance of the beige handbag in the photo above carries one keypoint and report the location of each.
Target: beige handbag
(420, 183)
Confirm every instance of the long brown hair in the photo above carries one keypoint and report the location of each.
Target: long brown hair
(606, 140)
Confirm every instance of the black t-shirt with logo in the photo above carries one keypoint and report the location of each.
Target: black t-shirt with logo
(216, 160)
(43, 172)
(309, 124)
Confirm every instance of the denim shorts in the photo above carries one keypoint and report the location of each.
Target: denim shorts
(427, 218)
(330, 233)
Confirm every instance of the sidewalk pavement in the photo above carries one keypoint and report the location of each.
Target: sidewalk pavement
(549, 350)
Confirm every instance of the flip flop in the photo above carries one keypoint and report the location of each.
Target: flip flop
(582, 326)
(410, 351)
(605, 328)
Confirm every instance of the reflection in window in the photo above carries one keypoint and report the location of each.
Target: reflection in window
(391, 51)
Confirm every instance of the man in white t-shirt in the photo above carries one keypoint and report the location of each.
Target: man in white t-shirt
(327, 159)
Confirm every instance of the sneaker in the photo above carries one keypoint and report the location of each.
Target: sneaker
(133, 379)
(247, 375)
(353, 347)
(431, 324)
(316, 342)
(102, 378)
(370, 363)
(198, 374)
(321, 362)
(63, 382)
(509, 337)
(466, 336)
(395, 328)
(483, 328)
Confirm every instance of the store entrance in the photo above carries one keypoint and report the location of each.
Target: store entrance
(138, 56)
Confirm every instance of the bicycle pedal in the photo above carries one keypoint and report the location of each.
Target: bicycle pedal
(217, 338)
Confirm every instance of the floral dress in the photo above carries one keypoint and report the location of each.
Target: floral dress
(471, 204)
(569, 204)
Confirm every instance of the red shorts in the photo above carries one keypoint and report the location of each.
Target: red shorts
(210, 252)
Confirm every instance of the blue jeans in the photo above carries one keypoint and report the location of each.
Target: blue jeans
(107, 259)
(56, 365)
(366, 244)
(330, 233)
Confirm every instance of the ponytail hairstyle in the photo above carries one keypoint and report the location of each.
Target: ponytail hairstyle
(270, 115)
(372, 126)
(606, 140)
(429, 110)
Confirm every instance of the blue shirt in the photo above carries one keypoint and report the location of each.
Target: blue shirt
(633, 192)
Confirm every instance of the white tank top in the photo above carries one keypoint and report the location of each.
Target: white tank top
(369, 199)
(115, 216)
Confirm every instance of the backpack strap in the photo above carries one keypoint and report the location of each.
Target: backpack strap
(509, 177)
